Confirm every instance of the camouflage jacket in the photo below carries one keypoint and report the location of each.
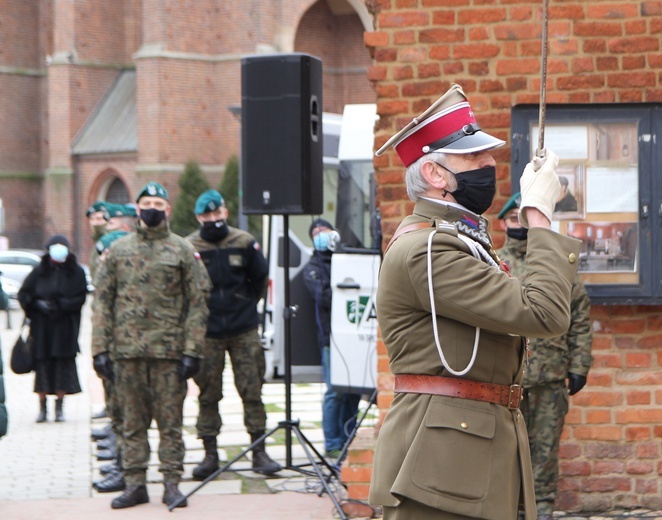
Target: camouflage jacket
(150, 297)
(552, 359)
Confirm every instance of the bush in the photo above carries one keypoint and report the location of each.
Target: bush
(191, 184)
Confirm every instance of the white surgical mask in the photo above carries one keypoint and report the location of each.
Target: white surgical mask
(58, 252)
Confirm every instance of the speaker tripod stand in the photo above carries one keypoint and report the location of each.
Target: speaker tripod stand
(315, 459)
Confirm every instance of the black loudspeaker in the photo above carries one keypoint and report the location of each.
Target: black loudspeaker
(281, 134)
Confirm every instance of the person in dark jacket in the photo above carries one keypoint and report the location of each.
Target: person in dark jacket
(339, 410)
(4, 421)
(239, 275)
(52, 296)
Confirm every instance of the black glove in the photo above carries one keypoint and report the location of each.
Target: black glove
(45, 306)
(188, 367)
(103, 366)
(575, 383)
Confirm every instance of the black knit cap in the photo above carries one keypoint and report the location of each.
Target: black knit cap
(58, 239)
(317, 223)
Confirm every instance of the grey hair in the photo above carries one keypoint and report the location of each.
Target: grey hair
(417, 186)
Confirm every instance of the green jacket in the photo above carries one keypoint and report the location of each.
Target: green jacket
(459, 455)
(552, 359)
(150, 297)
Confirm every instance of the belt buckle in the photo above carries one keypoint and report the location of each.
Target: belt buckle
(514, 396)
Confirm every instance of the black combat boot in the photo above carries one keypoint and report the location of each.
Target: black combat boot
(113, 481)
(133, 496)
(262, 463)
(42, 411)
(109, 442)
(59, 415)
(171, 494)
(210, 463)
(102, 433)
(109, 468)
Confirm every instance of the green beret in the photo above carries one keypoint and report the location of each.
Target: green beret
(210, 200)
(153, 189)
(104, 242)
(110, 210)
(99, 205)
(513, 203)
(120, 210)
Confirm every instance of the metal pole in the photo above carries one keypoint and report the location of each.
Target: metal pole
(543, 82)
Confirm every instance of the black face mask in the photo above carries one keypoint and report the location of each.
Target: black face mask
(517, 233)
(214, 231)
(475, 188)
(152, 217)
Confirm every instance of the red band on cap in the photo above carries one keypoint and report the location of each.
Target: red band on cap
(411, 147)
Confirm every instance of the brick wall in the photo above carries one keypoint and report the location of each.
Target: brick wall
(599, 51)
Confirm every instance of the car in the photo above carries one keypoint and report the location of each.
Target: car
(18, 263)
(11, 287)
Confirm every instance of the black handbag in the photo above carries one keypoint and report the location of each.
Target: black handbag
(22, 354)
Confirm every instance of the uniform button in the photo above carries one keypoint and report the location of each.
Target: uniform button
(572, 258)
(464, 425)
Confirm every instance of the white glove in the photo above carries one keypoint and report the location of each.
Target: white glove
(540, 186)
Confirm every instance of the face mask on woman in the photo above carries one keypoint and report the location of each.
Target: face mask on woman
(58, 252)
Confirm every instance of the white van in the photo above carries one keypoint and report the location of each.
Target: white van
(349, 204)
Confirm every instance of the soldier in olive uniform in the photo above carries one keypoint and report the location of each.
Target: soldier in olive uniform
(239, 273)
(453, 444)
(551, 362)
(97, 222)
(149, 323)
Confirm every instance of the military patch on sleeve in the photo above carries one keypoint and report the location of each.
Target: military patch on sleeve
(196, 255)
(256, 245)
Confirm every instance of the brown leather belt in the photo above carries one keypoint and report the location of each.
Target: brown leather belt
(509, 396)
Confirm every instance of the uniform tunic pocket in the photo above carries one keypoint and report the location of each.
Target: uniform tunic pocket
(453, 450)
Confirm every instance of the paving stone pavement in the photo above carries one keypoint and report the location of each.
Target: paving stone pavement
(56, 462)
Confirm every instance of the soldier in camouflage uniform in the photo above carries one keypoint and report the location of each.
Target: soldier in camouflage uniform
(238, 271)
(149, 324)
(551, 362)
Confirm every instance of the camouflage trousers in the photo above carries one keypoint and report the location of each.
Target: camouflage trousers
(544, 408)
(248, 366)
(150, 389)
(113, 410)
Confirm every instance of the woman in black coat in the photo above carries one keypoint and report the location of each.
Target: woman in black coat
(52, 296)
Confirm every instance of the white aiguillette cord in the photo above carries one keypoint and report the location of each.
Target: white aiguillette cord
(479, 252)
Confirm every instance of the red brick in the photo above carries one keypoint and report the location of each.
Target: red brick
(485, 16)
(648, 486)
(593, 485)
(375, 39)
(636, 467)
(651, 342)
(638, 360)
(641, 416)
(574, 468)
(634, 45)
(648, 450)
(634, 397)
(611, 11)
(594, 29)
(651, 8)
(404, 37)
(401, 19)
(598, 416)
(598, 433)
(602, 467)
